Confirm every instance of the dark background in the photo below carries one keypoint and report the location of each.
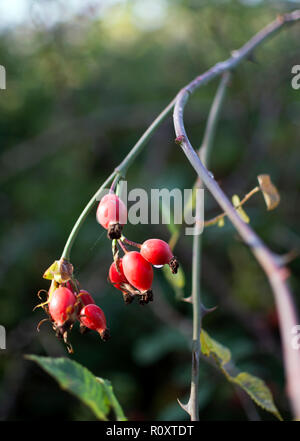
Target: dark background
(80, 92)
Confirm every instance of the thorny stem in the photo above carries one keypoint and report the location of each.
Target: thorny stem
(213, 118)
(204, 150)
(269, 261)
(209, 135)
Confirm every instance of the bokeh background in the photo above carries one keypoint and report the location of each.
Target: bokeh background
(84, 80)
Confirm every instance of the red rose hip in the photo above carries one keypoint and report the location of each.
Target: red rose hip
(61, 305)
(92, 317)
(115, 277)
(112, 215)
(84, 298)
(156, 251)
(137, 271)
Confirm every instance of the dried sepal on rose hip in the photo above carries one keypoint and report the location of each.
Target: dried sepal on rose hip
(158, 252)
(112, 215)
(92, 317)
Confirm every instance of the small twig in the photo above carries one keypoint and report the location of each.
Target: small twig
(216, 219)
(270, 263)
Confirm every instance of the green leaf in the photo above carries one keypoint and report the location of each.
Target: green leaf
(209, 346)
(95, 392)
(253, 386)
(112, 398)
(258, 391)
(243, 215)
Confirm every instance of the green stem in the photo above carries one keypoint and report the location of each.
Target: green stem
(82, 217)
(123, 167)
(270, 263)
(213, 118)
(209, 136)
(120, 171)
(196, 295)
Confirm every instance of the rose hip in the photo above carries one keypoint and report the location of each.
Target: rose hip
(84, 298)
(115, 277)
(92, 317)
(137, 270)
(112, 215)
(61, 305)
(156, 251)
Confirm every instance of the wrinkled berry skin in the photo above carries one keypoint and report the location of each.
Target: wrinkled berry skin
(61, 305)
(156, 251)
(93, 318)
(84, 298)
(111, 210)
(115, 277)
(137, 271)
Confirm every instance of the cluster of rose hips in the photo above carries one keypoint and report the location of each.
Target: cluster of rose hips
(132, 274)
(66, 304)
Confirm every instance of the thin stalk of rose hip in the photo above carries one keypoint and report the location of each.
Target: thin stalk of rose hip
(114, 183)
(120, 171)
(130, 242)
(80, 221)
(123, 247)
(271, 264)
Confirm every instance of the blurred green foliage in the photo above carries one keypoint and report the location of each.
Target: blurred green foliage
(79, 94)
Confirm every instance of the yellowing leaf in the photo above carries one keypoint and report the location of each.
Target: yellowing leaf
(209, 346)
(253, 386)
(269, 191)
(221, 222)
(243, 215)
(61, 271)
